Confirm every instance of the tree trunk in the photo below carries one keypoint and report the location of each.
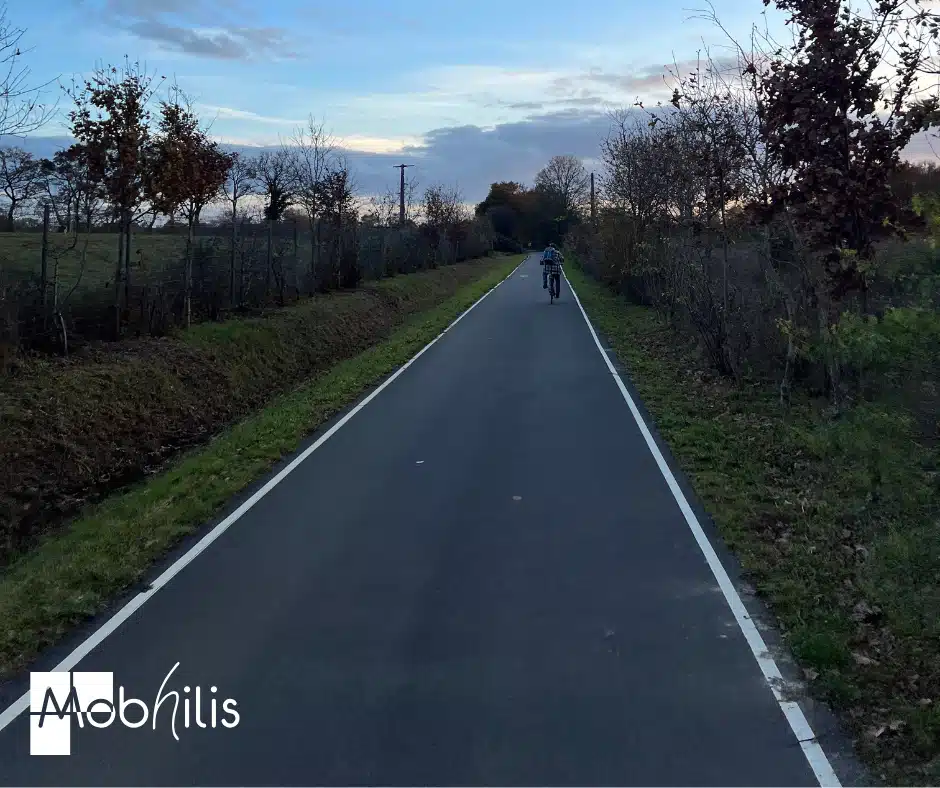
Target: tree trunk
(10, 211)
(117, 282)
(315, 238)
(830, 359)
(241, 269)
(188, 278)
(128, 225)
(231, 268)
(269, 260)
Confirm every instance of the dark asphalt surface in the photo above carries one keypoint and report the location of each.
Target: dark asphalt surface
(526, 606)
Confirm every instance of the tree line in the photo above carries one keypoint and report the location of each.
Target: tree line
(559, 201)
(759, 206)
(142, 158)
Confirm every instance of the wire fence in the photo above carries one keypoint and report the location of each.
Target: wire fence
(59, 290)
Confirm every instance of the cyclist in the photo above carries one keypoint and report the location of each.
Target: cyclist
(551, 262)
(550, 254)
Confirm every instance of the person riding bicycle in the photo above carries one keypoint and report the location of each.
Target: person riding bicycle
(553, 258)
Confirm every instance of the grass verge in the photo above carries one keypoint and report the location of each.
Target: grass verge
(74, 430)
(72, 575)
(836, 523)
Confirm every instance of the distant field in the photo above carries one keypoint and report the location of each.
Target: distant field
(151, 255)
(21, 256)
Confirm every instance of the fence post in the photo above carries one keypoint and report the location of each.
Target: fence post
(44, 266)
(241, 265)
(593, 204)
(231, 272)
(296, 276)
(127, 261)
(269, 258)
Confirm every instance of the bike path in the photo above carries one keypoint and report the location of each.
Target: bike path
(482, 578)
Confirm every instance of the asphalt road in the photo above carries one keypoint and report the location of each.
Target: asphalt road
(482, 578)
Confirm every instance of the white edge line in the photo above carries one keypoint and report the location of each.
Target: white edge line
(135, 603)
(801, 728)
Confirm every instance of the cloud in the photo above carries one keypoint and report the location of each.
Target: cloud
(222, 43)
(588, 101)
(653, 79)
(241, 114)
(469, 156)
(145, 7)
(923, 147)
(203, 28)
(473, 157)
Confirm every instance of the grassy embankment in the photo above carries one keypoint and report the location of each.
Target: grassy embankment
(256, 387)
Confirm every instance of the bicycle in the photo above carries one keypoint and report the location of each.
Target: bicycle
(554, 281)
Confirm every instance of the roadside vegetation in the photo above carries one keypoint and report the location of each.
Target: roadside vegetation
(211, 377)
(834, 516)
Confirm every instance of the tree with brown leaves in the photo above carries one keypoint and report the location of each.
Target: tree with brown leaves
(838, 129)
(188, 171)
(110, 121)
(836, 113)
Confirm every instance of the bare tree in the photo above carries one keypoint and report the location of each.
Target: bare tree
(242, 181)
(21, 110)
(636, 172)
(445, 216)
(20, 180)
(566, 177)
(75, 197)
(313, 152)
(384, 208)
(337, 202)
(338, 194)
(277, 174)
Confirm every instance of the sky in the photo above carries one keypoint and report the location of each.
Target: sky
(469, 93)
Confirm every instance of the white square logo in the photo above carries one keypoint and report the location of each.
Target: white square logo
(55, 698)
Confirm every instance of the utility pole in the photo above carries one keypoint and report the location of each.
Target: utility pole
(401, 193)
(593, 205)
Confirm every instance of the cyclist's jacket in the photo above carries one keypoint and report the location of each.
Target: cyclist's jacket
(551, 259)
